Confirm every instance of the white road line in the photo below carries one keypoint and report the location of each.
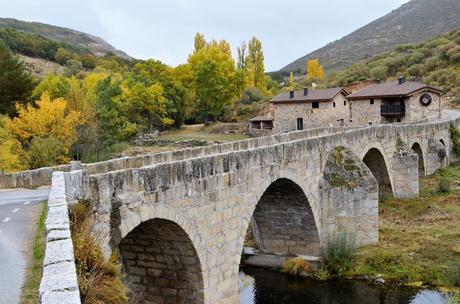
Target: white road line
(15, 210)
(26, 203)
(6, 220)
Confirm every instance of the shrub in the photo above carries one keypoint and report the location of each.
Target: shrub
(339, 254)
(99, 279)
(45, 152)
(455, 136)
(452, 277)
(444, 185)
(296, 266)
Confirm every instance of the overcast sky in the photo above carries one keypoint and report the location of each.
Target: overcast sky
(164, 29)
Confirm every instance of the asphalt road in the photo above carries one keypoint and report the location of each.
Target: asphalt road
(19, 210)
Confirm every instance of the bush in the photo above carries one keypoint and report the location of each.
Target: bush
(99, 279)
(251, 95)
(444, 185)
(45, 152)
(453, 276)
(340, 254)
(455, 136)
(296, 266)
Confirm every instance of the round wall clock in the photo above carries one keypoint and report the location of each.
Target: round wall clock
(425, 99)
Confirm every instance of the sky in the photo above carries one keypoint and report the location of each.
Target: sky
(164, 29)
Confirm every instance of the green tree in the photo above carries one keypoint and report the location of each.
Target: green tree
(214, 82)
(255, 63)
(109, 122)
(56, 85)
(16, 84)
(175, 93)
(62, 56)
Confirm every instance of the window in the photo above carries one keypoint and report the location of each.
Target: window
(398, 120)
(315, 105)
(370, 122)
(372, 101)
(344, 102)
(299, 123)
(333, 104)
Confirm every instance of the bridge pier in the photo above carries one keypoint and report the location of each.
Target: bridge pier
(436, 156)
(405, 171)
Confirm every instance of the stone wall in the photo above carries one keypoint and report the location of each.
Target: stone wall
(31, 178)
(286, 114)
(161, 264)
(59, 281)
(365, 113)
(283, 221)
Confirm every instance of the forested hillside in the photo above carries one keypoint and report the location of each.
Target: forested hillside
(96, 45)
(435, 61)
(413, 22)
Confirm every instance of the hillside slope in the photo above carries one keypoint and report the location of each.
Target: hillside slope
(412, 22)
(96, 45)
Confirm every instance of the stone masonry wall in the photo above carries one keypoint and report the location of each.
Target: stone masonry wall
(59, 281)
(283, 221)
(286, 114)
(161, 264)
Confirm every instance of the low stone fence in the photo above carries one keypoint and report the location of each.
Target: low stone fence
(31, 178)
(59, 283)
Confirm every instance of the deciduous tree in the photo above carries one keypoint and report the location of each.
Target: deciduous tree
(314, 70)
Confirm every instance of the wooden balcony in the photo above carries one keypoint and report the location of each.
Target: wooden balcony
(393, 110)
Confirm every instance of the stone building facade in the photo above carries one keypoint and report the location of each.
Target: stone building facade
(369, 103)
(393, 102)
(305, 109)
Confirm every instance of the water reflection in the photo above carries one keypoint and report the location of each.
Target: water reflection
(261, 286)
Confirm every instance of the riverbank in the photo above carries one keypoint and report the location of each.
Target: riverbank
(419, 238)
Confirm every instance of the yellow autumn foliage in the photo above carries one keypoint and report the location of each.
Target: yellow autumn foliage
(49, 118)
(12, 156)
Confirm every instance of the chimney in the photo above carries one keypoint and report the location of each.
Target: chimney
(291, 94)
(305, 91)
(402, 80)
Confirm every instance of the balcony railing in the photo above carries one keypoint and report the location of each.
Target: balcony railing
(393, 109)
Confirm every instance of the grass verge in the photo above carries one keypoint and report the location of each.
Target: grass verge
(99, 279)
(35, 265)
(420, 237)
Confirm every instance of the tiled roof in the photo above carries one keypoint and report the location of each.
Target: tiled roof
(391, 89)
(313, 95)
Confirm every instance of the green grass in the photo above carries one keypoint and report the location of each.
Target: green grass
(35, 265)
(200, 132)
(419, 238)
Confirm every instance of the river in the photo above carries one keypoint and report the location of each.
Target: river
(263, 286)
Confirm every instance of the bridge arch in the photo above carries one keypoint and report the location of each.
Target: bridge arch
(375, 160)
(421, 159)
(161, 263)
(283, 220)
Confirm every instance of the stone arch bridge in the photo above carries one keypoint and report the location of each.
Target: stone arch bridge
(179, 219)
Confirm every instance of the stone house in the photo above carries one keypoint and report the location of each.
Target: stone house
(304, 109)
(399, 101)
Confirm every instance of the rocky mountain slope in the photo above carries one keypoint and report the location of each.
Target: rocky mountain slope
(96, 45)
(411, 23)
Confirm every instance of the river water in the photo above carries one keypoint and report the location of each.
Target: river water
(262, 286)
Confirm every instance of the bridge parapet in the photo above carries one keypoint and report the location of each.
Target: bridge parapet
(59, 282)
